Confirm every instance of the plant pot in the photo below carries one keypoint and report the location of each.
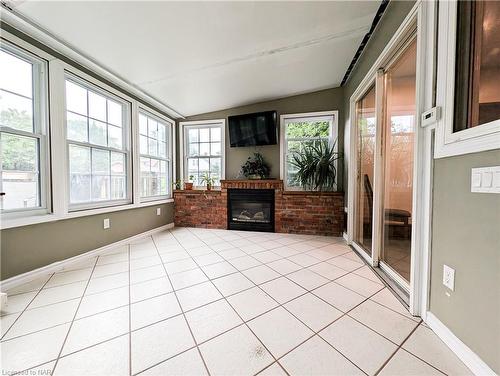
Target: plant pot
(254, 177)
(209, 187)
(188, 186)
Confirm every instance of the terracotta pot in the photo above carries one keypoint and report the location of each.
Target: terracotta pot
(188, 186)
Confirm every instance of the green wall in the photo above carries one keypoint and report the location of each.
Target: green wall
(324, 100)
(393, 16)
(466, 236)
(30, 247)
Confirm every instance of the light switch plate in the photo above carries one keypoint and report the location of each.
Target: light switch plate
(158, 211)
(485, 180)
(107, 223)
(449, 277)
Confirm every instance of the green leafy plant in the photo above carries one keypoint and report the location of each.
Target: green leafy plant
(208, 180)
(255, 167)
(315, 166)
(178, 184)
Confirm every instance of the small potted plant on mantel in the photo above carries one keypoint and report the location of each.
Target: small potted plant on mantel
(208, 180)
(189, 184)
(255, 167)
(178, 185)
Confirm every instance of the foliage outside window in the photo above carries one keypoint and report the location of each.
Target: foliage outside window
(203, 152)
(96, 147)
(21, 137)
(477, 99)
(302, 133)
(154, 138)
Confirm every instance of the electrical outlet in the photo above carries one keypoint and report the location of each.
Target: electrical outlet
(449, 277)
(107, 223)
(158, 211)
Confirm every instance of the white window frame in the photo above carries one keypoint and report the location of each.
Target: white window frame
(170, 157)
(319, 116)
(184, 126)
(126, 136)
(36, 57)
(57, 176)
(448, 143)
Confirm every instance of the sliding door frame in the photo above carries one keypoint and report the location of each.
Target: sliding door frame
(421, 22)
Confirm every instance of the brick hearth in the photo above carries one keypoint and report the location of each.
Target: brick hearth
(297, 212)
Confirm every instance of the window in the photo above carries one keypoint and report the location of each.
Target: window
(155, 150)
(467, 76)
(96, 124)
(478, 64)
(203, 151)
(299, 131)
(23, 141)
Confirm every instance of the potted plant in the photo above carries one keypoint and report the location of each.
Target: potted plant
(178, 184)
(255, 167)
(208, 180)
(315, 166)
(189, 184)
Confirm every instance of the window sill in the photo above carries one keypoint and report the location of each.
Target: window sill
(44, 218)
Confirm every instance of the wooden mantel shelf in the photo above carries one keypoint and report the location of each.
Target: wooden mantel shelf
(262, 181)
(275, 184)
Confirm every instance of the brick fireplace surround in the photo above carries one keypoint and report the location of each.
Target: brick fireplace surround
(296, 212)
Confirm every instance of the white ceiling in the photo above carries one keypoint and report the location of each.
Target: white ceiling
(199, 57)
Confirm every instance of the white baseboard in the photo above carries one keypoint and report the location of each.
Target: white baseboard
(461, 350)
(17, 280)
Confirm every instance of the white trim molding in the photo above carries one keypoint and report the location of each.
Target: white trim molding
(448, 143)
(461, 350)
(334, 132)
(21, 23)
(182, 141)
(17, 280)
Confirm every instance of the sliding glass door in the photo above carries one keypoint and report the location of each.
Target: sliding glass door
(385, 137)
(365, 122)
(397, 152)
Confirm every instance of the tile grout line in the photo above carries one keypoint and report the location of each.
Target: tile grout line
(282, 306)
(237, 313)
(236, 272)
(383, 285)
(400, 347)
(395, 351)
(240, 272)
(182, 311)
(317, 332)
(25, 308)
(291, 313)
(74, 316)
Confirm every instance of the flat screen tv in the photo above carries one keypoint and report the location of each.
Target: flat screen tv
(253, 129)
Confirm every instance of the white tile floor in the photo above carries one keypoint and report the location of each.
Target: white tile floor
(196, 302)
